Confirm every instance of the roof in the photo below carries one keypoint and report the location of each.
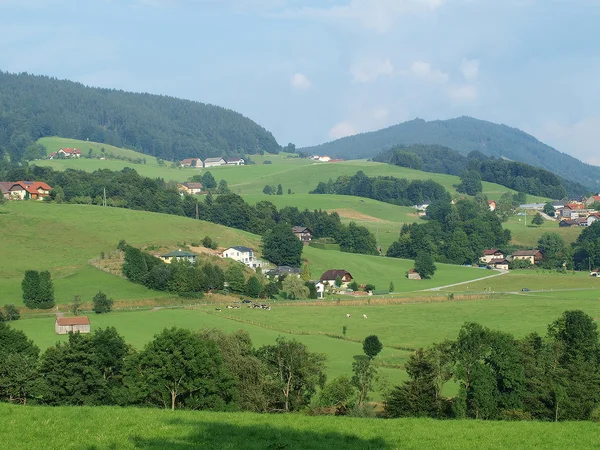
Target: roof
(491, 251)
(235, 159)
(33, 186)
(71, 150)
(241, 248)
(5, 186)
(574, 205)
(189, 160)
(558, 203)
(334, 273)
(301, 230)
(527, 253)
(66, 321)
(209, 160)
(177, 253)
(499, 261)
(193, 185)
(491, 201)
(596, 197)
(412, 271)
(281, 270)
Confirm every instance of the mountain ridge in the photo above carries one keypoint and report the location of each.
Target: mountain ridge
(464, 134)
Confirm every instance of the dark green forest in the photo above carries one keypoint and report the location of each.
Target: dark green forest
(514, 175)
(34, 106)
(464, 134)
(398, 191)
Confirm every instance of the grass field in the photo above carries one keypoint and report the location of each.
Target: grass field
(54, 143)
(137, 428)
(139, 327)
(528, 235)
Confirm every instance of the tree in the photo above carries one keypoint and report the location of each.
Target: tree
(338, 282)
(339, 393)
(424, 265)
(295, 288)
(45, 297)
(30, 286)
(537, 219)
(253, 287)
(391, 288)
(76, 304)
(553, 247)
(279, 189)
(363, 378)
(470, 183)
(282, 247)
(372, 346)
(305, 274)
(208, 181)
(354, 286)
(18, 365)
(549, 209)
(223, 188)
(268, 190)
(11, 312)
(180, 369)
(208, 242)
(102, 304)
(295, 373)
(234, 276)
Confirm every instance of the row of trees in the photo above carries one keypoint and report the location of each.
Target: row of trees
(398, 191)
(512, 174)
(453, 233)
(127, 189)
(551, 378)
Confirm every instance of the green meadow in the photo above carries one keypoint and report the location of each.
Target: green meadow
(528, 235)
(139, 428)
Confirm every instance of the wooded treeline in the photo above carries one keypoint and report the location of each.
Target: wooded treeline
(32, 107)
(551, 378)
(128, 189)
(452, 234)
(512, 174)
(398, 191)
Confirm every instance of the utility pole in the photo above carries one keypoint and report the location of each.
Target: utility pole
(197, 214)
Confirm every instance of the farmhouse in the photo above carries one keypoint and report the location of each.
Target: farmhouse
(331, 275)
(489, 255)
(23, 190)
(500, 263)
(191, 162)
(592, 199)
(190, 188)
(66, 153)
(303, 233)
(212, 162)
(235, 162)
(492, 205)
(244, 255)
(412, 274)
(178, 255)
(11, 191)
(595, 273)
(592, 218)
(283, 270)
(533, 256)
(65, 325)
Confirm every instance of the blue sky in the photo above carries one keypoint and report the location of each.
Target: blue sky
(311, 71)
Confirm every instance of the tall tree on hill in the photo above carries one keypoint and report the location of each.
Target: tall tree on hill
(282, 247)
(470, 183)
(425, 265)
(30, 286)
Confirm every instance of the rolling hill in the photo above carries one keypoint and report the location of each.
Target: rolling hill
(170, 128)
(464, 134)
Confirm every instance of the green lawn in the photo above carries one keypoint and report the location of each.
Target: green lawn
(528, 235)
(138, 428)
(55, 143)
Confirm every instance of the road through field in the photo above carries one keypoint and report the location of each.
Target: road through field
(501, 272)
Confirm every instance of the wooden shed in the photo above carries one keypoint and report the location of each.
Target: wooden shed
(412, 274)
(64, 325)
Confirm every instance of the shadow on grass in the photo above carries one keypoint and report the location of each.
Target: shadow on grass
(215, 435)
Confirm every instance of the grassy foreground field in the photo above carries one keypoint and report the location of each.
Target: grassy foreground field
(130, 428)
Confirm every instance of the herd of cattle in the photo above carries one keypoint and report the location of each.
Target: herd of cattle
(250, 305)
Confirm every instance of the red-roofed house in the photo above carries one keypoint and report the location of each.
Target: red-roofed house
(66, 153)
(35, 190)
(492, 205)
(65, 325)
(593, 199)
(191, 162)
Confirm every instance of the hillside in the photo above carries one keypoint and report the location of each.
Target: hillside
(133, 428)
(38, 106)
(464, 134)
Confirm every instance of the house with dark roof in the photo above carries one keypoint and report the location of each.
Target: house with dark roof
(178, 255)
(490, 254)
(235, 162)
(191, 162)
(244, 255)
(533, 256)
(282, 270)
(212, 162)
(65, 325)
(330, 276)
(303, 233)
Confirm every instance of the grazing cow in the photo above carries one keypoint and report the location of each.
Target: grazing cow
(348, 316)
(218, 309)
(364, 316)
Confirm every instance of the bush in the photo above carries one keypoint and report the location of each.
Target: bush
(102, 304)
(207, 242)
(11, 312)
(267, 162)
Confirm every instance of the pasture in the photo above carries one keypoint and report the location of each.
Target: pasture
(72, 427)
(528, 235)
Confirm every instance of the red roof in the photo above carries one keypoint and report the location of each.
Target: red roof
(68, 321)
(574, 206)
(33, 186)
(491, 201)
(490, 252)
(71, 151)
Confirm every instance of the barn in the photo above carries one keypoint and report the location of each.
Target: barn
(64, 325)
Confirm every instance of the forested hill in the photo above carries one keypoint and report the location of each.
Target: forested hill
(34, 106)
(464, 134)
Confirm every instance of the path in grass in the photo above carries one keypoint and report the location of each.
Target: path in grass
(501, 272)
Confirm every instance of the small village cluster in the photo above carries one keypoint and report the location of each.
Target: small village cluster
(325, 159)
(498, 260)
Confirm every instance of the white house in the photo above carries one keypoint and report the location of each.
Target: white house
(212, 162)
(592, 218)
(244, 255)
(236, 162)
(320, 286)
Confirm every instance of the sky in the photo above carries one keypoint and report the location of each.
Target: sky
(312, 71)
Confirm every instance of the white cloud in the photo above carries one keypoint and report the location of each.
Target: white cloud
(470, 69)
(300, 81)
(341, 130)
(374, 15)
(425, 71)
(463, 94)
(369, 69)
